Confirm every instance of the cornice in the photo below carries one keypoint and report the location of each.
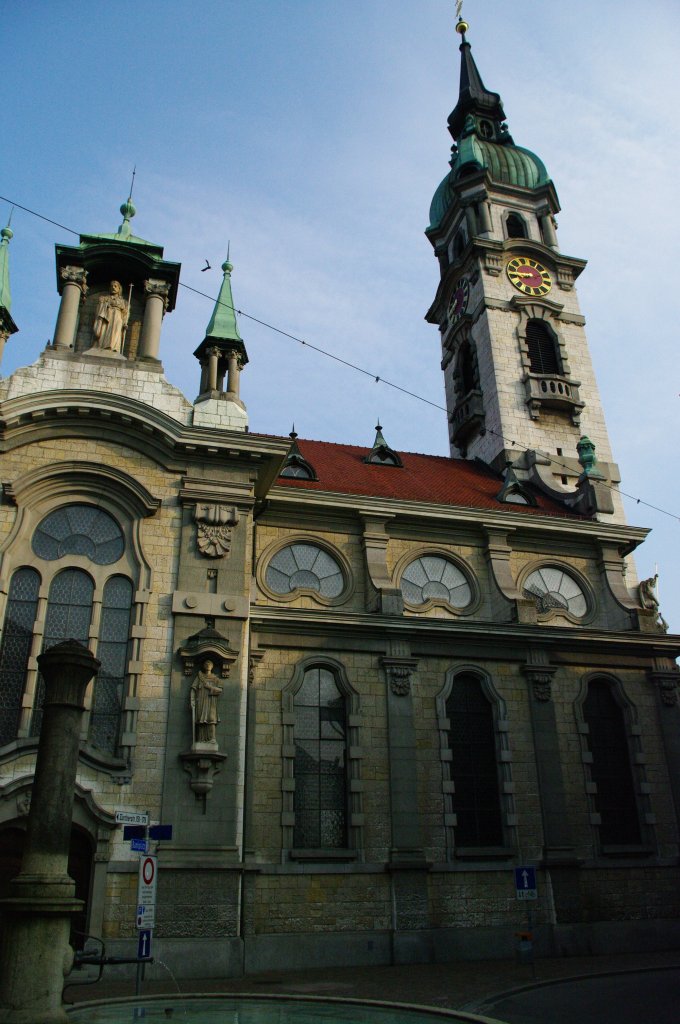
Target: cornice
(282, 498)
(377, 629)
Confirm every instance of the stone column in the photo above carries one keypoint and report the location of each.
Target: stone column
(4, 335)
(35, 952)
(75, 289)
(666, 677)
(156, 304)
(471, 220)
(213, 360)
(548, 229)
(484, 217)
(233, 372)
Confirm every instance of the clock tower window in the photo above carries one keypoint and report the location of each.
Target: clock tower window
(543, 357)
(515, 226)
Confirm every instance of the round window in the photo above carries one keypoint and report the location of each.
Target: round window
(554, 589)
(79, 530)
(304, 567)
(434, 578)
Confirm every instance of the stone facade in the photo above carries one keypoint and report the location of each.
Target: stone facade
(354, 843)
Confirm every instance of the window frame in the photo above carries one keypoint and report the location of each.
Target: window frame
(507, 849)
(354, 755)
(304, 592)
(437, 602)
(579, 579)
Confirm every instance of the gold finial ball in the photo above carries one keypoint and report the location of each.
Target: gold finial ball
(462, 26)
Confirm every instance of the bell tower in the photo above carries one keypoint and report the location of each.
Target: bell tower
(514, 351)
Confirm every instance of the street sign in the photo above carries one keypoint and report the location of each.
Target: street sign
(134, 832)
(138, 845)
(160, 832)
(131, 818)
(146, 892)
(525, 883)
(144, 943)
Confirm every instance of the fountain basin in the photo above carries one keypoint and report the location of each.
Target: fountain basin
(259, 1009)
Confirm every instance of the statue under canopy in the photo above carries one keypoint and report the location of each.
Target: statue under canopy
(111, 320)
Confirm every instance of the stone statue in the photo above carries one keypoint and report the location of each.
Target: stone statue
(205, 690)
(649, 599)
(111, 320)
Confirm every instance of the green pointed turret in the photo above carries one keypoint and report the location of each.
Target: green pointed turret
(223, 325)
(222, 354)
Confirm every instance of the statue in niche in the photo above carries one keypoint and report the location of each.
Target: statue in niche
(111, 320)
(205, 691)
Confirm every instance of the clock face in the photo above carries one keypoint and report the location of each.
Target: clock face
(459, 301)
(529, 276)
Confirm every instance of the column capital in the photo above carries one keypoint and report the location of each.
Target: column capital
(155, 286)
(75, 275)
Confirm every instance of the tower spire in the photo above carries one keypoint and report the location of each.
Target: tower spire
(222, 325)
(474, 99)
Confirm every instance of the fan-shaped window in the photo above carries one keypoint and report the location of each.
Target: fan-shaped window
(434, 578)
(543, 357)
(554, 589)
(17, 639)
(611, 768)
(79, 530)
(515, 226)
(303, 566)
(320, 767)
(515, 498)
(476, 800)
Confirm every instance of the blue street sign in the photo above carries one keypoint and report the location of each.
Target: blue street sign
(160, 832)
(134, 832)
(144, 943)
(525, 883)
(138, 845)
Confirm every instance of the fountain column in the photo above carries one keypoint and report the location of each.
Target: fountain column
(35, 953)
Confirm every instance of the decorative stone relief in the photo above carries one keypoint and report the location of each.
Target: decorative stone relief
(154, 286)
(75, 275)
(399, 672)
(214, 524)
(539, 673)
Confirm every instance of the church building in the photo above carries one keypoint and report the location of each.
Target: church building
(364, 686)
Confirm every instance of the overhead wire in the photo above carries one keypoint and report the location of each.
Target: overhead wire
(377, 378)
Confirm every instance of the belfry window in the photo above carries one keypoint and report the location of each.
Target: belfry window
(543, 357)
(611, 772)
(320, 767)
(476, 801)
(515, 226)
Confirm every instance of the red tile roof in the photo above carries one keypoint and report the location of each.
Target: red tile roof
(429, 478)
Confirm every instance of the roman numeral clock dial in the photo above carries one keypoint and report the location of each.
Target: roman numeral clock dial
(529, 276)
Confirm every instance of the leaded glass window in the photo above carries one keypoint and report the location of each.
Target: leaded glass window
(432, 577)
(304, 566)
(69, 613)
(474, 771)
(112, 652)
(320, 770)
(611, 768)
(22, 604)
(79, 530)
(554, 589)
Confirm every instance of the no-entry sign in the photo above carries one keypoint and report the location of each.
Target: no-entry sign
(146, 892)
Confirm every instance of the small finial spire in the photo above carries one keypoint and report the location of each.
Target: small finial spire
(292, 434)
(132, 183)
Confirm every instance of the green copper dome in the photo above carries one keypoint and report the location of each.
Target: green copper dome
(506, 164)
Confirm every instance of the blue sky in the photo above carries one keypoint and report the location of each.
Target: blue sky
(312, 135)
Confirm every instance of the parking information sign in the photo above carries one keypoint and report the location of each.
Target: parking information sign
(146, 892)
(525, 883)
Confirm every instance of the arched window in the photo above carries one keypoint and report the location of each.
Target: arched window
(476, 800)
(320, 768)
(94, 539)
(515, 226)
(17, 639)
(610, 770)
(304, 566)
(435, 578)
(466, 372)
(543, 355)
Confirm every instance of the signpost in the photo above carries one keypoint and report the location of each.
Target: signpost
(144, 944)
(525, 883)
(139, 845)
(146, 892)
(131, 818)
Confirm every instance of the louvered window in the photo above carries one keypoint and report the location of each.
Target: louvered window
(542, 347)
